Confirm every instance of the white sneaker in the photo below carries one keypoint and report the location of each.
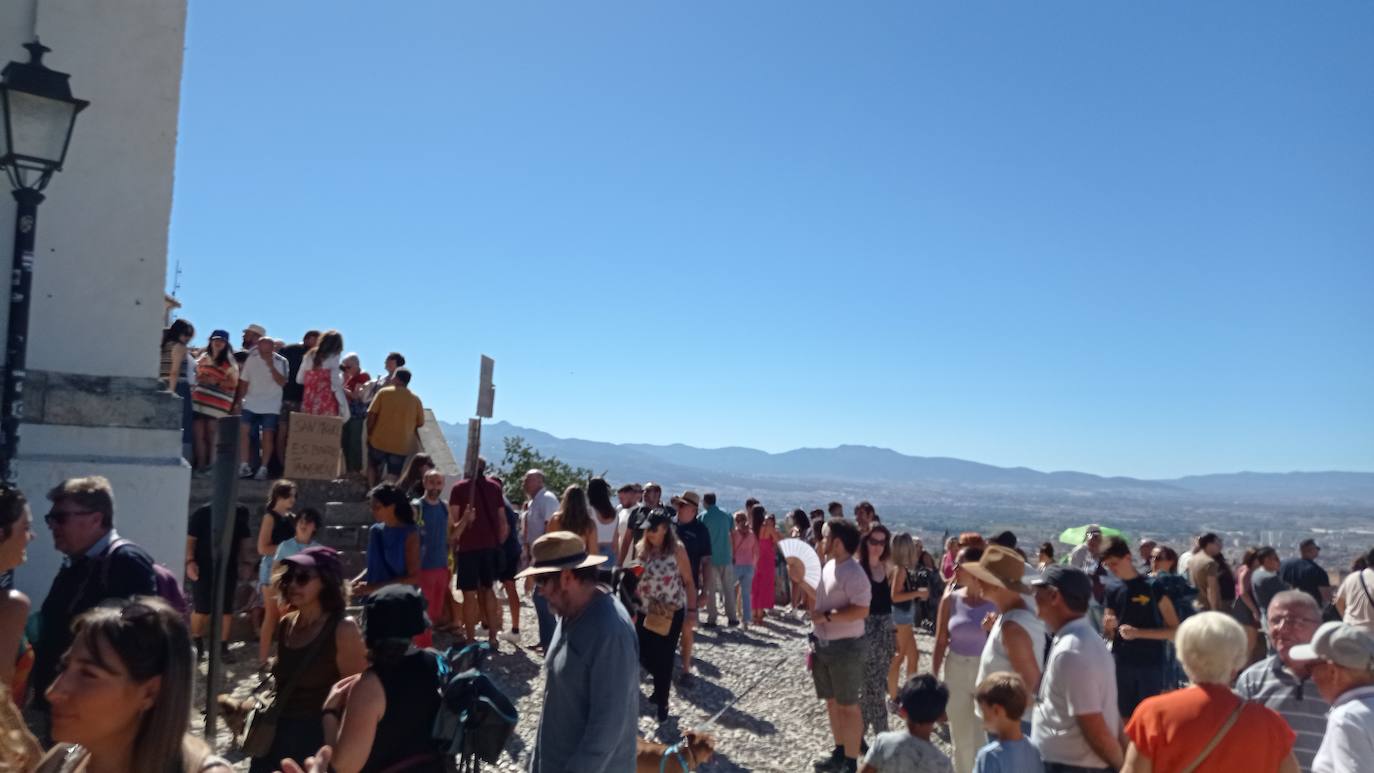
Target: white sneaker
(261, 473)
(244, 470)
(508, 636)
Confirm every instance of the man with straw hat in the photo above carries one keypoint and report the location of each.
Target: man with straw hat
(591, 680)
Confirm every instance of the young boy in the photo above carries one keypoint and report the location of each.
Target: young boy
(923, 700)
(1002, 700)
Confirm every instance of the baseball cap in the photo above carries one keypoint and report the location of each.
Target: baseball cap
(1309, 543)
(1073, 584)
(317, 557)
(1339, 643)
(220, 334)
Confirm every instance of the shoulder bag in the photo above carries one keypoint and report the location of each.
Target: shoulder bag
(260, 726)
(1216, 739)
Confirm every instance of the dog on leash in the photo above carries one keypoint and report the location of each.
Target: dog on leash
(235, 712)
(694, 750)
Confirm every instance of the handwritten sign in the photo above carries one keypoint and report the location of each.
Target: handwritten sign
(313, 447)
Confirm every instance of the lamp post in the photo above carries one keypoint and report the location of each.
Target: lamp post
(38, 113)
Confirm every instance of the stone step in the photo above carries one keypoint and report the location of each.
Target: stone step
(310, 493)
(343, 537)
(351, 513)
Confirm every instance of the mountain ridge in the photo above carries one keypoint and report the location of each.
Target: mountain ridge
(849, 464)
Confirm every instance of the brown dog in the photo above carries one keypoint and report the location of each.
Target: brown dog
(696, 749)
(235, 712)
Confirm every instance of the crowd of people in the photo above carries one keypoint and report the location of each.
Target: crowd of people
(267, 379)
(1116, 657)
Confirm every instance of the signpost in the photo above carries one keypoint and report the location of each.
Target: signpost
(486, 398)
(223, 507)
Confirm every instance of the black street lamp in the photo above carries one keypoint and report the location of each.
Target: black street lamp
(38, 112)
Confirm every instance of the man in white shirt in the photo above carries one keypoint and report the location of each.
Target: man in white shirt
(629, 495)
(260, 382)
(1342, 658)
(542, 504)
(1076, 725)
(1084, 556)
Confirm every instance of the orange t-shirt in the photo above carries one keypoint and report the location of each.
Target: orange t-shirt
(1172, 730)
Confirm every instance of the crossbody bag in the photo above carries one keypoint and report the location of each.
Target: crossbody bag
(1216, 739)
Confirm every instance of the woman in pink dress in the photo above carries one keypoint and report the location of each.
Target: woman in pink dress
(766, 529)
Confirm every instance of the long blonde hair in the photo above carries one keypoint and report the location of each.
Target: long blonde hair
(904, 551)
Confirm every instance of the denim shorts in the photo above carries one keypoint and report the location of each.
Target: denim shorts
(393, 463)
(260, 421)
(905, 616)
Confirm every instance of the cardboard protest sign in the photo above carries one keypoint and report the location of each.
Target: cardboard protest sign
(313, 449)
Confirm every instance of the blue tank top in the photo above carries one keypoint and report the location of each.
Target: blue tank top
(386, 552)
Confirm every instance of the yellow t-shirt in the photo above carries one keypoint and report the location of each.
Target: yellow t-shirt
(393, 417)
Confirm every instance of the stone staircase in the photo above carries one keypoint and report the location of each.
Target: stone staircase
(347, 516)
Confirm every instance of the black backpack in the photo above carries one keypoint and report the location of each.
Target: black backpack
(475, 719)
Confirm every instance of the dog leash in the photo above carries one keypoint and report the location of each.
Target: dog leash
(747, 690)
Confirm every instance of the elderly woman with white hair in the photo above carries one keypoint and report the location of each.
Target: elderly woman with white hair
(355, 382)
(1207, 727)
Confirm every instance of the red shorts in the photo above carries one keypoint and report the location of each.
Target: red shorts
(434, 583)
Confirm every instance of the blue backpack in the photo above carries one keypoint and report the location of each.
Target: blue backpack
(475, 719)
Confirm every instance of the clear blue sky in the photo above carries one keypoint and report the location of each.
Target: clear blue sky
(1120, 237)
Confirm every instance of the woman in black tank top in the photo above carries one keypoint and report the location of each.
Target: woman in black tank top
(879, 633)
(388, 713)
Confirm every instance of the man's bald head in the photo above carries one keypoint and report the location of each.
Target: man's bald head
(534, 480)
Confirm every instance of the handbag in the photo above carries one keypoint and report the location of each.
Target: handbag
(1216, 739)
(260, 726)
(658, 618)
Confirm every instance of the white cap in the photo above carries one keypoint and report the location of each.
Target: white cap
(1339, 643)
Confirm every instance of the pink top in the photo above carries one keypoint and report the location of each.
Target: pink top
(843, 584)
(746, 548)
(947, 567)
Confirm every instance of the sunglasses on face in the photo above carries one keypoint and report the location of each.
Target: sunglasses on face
(878, 543)
(298, 578)
(61, 516)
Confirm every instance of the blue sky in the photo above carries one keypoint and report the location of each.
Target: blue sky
(1125, 238)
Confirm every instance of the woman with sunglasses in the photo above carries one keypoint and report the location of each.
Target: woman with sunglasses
(317, 645)
(122, 700)
(879, 634)
(906, 592)
(665, 591)
(212, 398)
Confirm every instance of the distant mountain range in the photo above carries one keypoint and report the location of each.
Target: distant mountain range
(850, 469)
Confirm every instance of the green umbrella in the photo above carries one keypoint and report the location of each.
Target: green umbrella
(1074, 535)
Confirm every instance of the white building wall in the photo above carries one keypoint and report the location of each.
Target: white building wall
(101, 258)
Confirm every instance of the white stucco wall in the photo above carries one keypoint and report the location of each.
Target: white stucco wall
(101, 258)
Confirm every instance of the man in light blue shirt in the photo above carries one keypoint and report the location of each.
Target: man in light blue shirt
(720, 575)
(1342, 658)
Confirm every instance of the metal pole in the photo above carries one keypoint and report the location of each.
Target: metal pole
(17, 335)
(222, 510)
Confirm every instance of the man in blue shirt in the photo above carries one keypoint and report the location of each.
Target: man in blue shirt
(589, 713)
(720, 573)
(434, 575)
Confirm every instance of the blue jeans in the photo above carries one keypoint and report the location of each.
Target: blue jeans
(744, 573)
(547, 622)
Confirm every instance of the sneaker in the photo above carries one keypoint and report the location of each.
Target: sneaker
(261, 474)
(509, 636)
(733, 623)
(893, 707)
(244, 470)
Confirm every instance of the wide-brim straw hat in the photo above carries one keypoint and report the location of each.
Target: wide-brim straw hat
(556, 551)
(1000, 567)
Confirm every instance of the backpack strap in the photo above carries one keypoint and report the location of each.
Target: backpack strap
(1360, 576)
